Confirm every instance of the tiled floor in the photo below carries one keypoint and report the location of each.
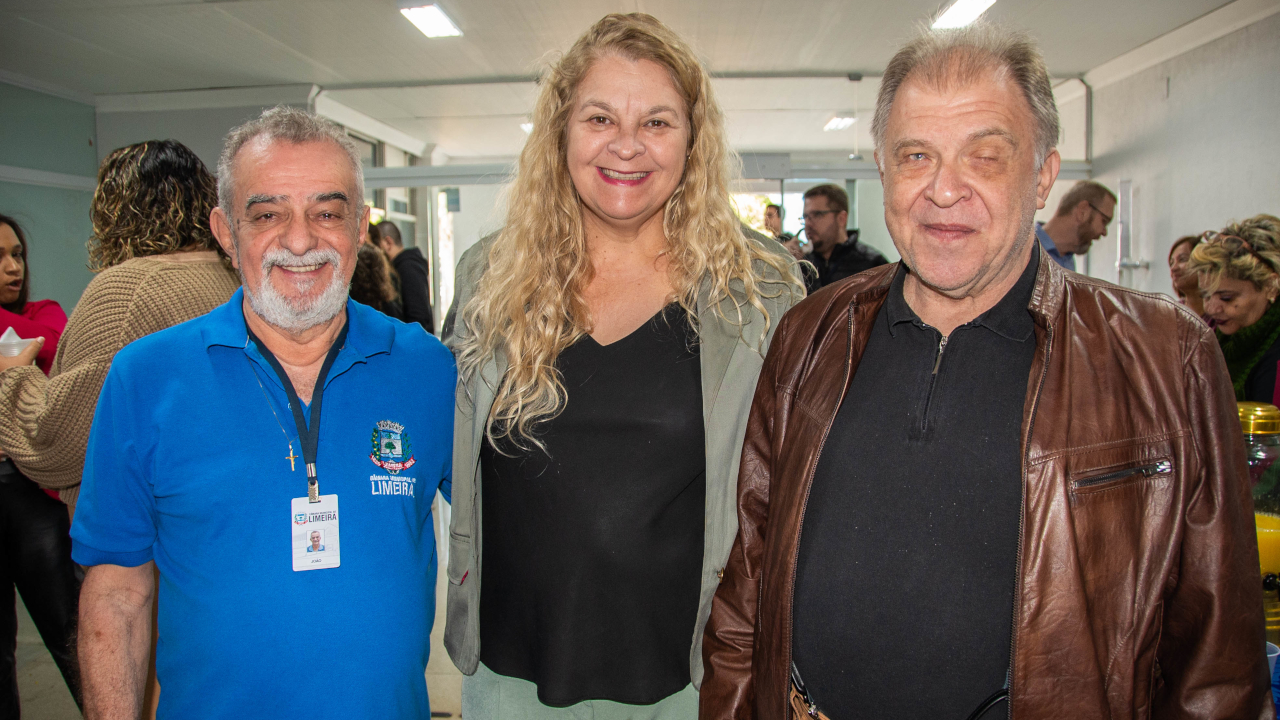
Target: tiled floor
(43, 694)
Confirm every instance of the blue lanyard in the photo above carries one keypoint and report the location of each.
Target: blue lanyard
(308, 436)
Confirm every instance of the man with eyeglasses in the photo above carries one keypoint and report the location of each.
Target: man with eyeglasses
(836, 252)
(1083, 216)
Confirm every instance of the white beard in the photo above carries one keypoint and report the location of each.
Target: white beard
(296, 315)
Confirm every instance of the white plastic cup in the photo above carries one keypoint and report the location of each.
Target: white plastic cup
(1273, 652)
(12, 349)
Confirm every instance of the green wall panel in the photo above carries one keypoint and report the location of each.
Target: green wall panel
(43, 132)
(56, 223)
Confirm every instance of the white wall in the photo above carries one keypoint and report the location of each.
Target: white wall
(872, 229)
(1198, 137)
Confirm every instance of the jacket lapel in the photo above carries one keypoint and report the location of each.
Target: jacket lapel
(718, 338)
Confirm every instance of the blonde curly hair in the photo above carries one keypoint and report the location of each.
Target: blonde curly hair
(1247, 250)
(529, 303)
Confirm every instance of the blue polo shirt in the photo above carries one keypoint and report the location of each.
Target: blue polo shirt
(1067, 261)
(187, 466)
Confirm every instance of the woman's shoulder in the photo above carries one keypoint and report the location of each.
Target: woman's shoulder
(148, 284)
(42, 310)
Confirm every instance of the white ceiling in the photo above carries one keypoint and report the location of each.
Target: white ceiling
(129, 46)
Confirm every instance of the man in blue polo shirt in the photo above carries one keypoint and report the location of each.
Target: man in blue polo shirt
(276, 460)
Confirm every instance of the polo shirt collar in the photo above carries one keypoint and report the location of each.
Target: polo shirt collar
(1008, 318)
(369, 332)
(1046, 241)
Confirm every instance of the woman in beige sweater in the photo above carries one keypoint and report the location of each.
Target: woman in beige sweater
(158, 265)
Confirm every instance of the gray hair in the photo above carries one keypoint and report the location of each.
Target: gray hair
(943, 58)
(287, 124)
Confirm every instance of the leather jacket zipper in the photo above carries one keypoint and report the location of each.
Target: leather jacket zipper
(1163, 467)
(1022, 516)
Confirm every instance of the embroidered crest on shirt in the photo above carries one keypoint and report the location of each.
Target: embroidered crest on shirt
(392, 449)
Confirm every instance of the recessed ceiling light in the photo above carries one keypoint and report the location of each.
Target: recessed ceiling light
(839, 122)
(430, 19)
(526, 127)
(961, 13)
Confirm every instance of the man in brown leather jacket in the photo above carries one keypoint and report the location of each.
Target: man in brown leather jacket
(973, 477)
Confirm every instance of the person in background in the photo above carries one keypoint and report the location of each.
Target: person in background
(608, 341)
(30, 319)
(372, 237)
(974, 477)
(1185, 284)
(773, 221)
(835, 251)
(414, 273)
(35, 549)
(157, 266)
(1082, 217)
(371, 284)
(773, 215)
(1238, 271)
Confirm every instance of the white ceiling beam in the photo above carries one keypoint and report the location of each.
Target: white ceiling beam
(263, 95)
(326, 106)
(425, 175)
(1201, 31)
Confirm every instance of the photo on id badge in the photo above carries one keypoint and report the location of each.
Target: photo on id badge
(315, 533)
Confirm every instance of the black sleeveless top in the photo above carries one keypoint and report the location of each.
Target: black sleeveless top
(592, 550)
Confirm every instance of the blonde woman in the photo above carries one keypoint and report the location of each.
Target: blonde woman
(608, 341)
(1239, 275)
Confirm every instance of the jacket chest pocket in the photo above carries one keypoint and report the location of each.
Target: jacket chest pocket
(1104, 479)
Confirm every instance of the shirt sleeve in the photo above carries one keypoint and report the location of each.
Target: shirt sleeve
(115, 517)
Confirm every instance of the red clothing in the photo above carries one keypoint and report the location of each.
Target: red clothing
(40, 318)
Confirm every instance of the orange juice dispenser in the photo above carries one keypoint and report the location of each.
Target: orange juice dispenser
(1261, 425)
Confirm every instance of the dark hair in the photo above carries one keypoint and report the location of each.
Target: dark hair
(153, 198)
(1090, 191)
(781, 213)
(389, 231)
(18, 305)
(374, 233)
(837, 198)
(1192, 239)
(371, 283)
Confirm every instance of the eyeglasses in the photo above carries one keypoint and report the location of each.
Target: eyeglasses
(1106, 219)
(813, 215)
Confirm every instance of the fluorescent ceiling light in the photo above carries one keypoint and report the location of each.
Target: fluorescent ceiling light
(839, 122)
(961, 13)
(526, 127)
(431, 20)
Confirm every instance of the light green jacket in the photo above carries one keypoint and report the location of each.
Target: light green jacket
(729, 370)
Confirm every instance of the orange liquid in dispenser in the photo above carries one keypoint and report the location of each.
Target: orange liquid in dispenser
(1268, 541)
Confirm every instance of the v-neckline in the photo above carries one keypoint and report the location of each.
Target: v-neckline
(632, 334)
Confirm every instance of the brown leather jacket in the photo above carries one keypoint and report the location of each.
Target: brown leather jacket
(1139, 592)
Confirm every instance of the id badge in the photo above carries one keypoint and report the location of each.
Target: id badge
(315, 534)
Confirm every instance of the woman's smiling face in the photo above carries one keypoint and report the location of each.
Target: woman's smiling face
(627, 140)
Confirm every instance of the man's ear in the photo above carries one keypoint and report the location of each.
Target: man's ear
(220, 224)
(1046, 177)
